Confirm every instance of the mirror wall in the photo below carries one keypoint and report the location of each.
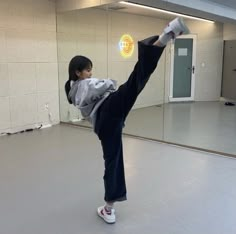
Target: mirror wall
(83, 32)
(96, 33)
(185, 111)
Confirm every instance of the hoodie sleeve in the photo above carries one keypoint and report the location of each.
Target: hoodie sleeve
(91, 90)
(97, 88)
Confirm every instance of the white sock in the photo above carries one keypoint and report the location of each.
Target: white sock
(109, 207)
(165, 38)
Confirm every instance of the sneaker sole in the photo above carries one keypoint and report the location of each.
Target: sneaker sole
(186, 29)
(108, 222)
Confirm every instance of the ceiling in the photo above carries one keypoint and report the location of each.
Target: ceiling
(135, 10)
(228, 3)
(176, 8)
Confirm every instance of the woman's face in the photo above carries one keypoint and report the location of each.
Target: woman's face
(84, 74)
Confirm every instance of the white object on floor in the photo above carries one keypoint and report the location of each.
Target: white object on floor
(46, 126)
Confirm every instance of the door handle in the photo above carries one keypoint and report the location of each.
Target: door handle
(193, 69)
(234, 69)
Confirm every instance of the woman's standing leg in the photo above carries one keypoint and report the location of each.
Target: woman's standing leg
(114, 175)
(110, 121)
(110, 118)
(115, 109)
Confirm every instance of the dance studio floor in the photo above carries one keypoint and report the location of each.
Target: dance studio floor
(51, 183)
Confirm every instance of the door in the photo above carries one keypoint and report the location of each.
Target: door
(183, 70)
(229, 70)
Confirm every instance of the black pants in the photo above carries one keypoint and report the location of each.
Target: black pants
(112, 114)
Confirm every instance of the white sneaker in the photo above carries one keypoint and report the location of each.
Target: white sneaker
(107, 216)
(177, 27)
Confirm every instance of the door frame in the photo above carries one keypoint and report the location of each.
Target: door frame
(172, 52)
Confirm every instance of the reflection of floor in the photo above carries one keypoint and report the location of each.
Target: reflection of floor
(208, 125)
(55, 185)
(145, 122)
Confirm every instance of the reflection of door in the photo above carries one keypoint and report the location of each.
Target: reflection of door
(229, 70)
(183, 69)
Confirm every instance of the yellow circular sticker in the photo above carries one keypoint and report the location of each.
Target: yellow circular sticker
(126, 46)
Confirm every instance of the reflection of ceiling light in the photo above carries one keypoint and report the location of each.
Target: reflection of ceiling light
(165, 11)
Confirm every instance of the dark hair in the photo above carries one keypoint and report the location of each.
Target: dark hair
(77, 63)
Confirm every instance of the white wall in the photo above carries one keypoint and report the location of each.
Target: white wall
(81, 32)
(28, 64)
(209, 53)
(71, 5)
(229, 31)
(140, 27)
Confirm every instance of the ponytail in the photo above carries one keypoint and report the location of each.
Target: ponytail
(67, 90)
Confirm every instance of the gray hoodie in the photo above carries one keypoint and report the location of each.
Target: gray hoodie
(89, 94)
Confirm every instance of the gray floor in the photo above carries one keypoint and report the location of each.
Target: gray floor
(51, 183)
(206, 125)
